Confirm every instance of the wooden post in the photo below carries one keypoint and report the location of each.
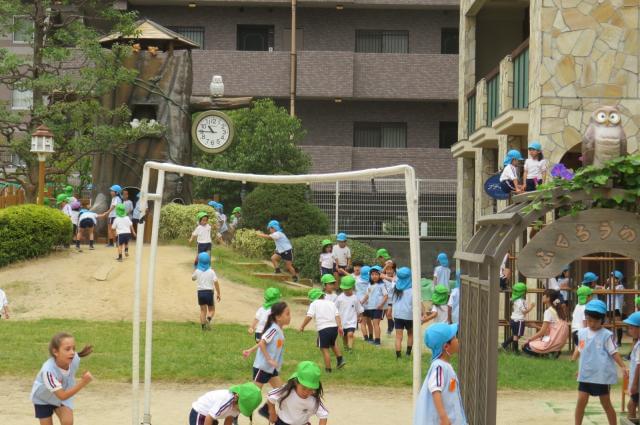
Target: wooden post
(294, 61)
(40, 182)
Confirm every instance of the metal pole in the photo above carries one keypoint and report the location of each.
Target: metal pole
(40, 181)
(294, 61)
(148, 339)
(336, 227)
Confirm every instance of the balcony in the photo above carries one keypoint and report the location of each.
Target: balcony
(514, 120)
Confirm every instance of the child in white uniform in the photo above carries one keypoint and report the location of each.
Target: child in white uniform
(271, 296)
(519, 313)
(4, 305)
(223, 406)
(124, 229)
(206, 279)
(326, 261)
(634, 374)
(202, 233)
(329, 286)
(535, 168)
(341, 256)
(403, 310)
(350, 311)
(284, 249)
(578, 320)
(439, 310)
(509, 181)
(442, 272)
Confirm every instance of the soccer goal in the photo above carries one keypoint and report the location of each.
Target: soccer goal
(155, 196)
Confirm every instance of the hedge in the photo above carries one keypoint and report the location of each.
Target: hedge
(249, 244)
(178, 221)
(29, 231)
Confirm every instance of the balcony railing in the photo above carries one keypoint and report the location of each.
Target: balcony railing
(471, 113)
(493, 96)
(521, 76)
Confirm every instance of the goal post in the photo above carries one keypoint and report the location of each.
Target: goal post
(147, 196)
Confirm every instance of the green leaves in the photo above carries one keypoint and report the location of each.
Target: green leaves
(178, 221)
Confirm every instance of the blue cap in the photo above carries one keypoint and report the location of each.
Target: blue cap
(116, 188)
(219, 206)
(617, 274)
(443, 260)
(204, 261)
(437, 335)
(341, 237)
(376, 268)
(275, 225)
(511, 155)
(404, 278)
(596, 306)
(589, 277)
(633, 319)
(535, 145)
(364, 273)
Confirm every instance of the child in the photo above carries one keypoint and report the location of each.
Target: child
(63, 203)
(350, 311)
(341, 256)
(375, 301)
(75, 213)
(535, 168)
(68, 190)
(382, 256)
(389, 278)
(299, 399)
(124, 229)
(136, 215)
(454, 300)
(598, 357)
(439, 309)
(329, 287)
(509, 176)
(505, 272)
(328, 324)
(578, 320)
(55, 385)
(442, 272)
(403, 310)
(4, 305)
(361, 274)
(206, 279)
(327, 265)
(268, 361)
(128, 203)
(271, 296)
(554, 332)
(234, 220)
(439, 401)
(111, 212)
(86, 220)
(634, 375)
(225, 405)
(284, 249)
(590, 279)
(615, 302)
(518, 315)
(202, 233)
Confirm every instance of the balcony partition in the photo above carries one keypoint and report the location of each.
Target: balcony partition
(471, 113)
(493, 96)
(521, 76)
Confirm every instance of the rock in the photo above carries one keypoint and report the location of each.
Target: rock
(611, 35)
(603, 12)
(584, 43)
(565, 71)
(578, 21)
(566, 42)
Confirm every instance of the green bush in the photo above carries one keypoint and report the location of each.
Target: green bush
(287, 204)
(28, 231)
(249, 244)
(306, 253)
(177, 221)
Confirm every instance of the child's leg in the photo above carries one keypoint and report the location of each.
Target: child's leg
(376, 329)
(326, 358)
(336, 350)
(91, 237)
(583, 399)
(275, 260)
(409, 340)
(275, 382)
(65, 415)
(363, 328)
(631, 408)
(369, 324)
(119, 248)
(203, 314)
(605, 401)
(399, 334)
(211, 312)
(389, 321)
(46, 421)
(126, 249)
(290, 268)
(345, 341)
(350, 338)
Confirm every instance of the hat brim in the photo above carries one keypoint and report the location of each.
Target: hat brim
(630, 323)
(309, 384)
(346, 287)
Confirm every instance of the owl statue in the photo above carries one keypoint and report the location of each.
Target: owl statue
(216, 88)
(604, 139)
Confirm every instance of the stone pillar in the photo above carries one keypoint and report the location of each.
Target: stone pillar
(506, 84)
(467, 70)
(481, 104)
(464, 201)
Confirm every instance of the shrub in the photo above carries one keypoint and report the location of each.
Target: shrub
(28, 231)
(178, 221)
(249, 244)
(288, 205)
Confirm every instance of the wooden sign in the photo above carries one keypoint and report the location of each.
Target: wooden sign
(569, 238)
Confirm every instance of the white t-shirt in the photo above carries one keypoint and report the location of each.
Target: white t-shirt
(74, 216)
(615, 301)
(552, 283)
(3, 300)
(342, 255)
(122, 225)
(205, 279)
(503, 266)
(217, 404)
(443, 313)
(262, 314)
(324, 312)
(295, 410)
(326, 260)
(202, 233)
(519, 308)
(577, 321)
(454, 303)
(331, 297)
(114, 201)
(535, 169)
(128, 207)
(510, 172)
(66, 210)
(349, 308)
(550, 316)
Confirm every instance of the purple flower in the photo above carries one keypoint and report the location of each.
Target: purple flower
(560, 171)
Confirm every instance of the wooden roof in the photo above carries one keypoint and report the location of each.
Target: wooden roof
(148, 32)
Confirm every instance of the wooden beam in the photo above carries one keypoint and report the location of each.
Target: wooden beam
(205, 103)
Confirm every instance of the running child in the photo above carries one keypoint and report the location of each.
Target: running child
(327, 265)
(389, 278)
(439, 307)
(439, 401)
(55, 385)
(341, 256)
(75, 213)
(270, 348)
(202, 233)
(442, 272)
(578, 320)
(535, 168)
(329, 287)
(598, 357)
(350, 311)
(124, 229)
(206, 279)
(87, 221)
(634, 375)
(403, 310)
(519, 313)
(284, 249)
(222, 407)
(4, 305)
(299, 399)
(375, 302)
(116, 199)
(328, 324)
(361, 274)
(271, 296)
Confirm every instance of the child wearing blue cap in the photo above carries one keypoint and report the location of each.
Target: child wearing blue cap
(206, 279)
(341, 256)
(442, 272)
(634, 375)
(116, 199)
(598, 357)
(439, 401)
(361, 274)
(535, 167)
(284, 249)
(374, 303)
(614, 302)
(403, 310)
(509, 181)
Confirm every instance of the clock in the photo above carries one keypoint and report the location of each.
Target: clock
(212, 131)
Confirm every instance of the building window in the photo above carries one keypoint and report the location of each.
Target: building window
(23, 29)
(255, 37)
(378, 41)
(448, 134)
(449, 41)
(21, 99)
(380, 135)
(195, 34)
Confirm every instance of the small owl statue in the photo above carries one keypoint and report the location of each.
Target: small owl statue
(216, 88)
(604, 139)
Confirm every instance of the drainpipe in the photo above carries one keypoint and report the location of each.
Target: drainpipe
(294, 61)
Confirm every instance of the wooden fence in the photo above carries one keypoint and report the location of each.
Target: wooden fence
(11, 196)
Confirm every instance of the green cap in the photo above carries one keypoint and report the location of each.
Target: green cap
(327, 279)
(308, 374)
(249, 397)
(68, 190)
(518, 291)
(271, 296)
(637, 300)
(382, 252)
(440, 295)
(315, 293)
(585, 292)
(347, 282)
(200, 215)
(63, 197)
(121, 211)
(326, 242)
(236, 210)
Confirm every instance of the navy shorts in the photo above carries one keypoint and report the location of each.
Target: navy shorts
(286, 256)
(205, 297)
(280, 422)
(595, 390)
(400, 324)
(507, 186)
(262, 377)
(87, 223)
(324, 270)
(44, 411)
(349, 330)
(111, 220)
(327, 337)
(374, 314)
(124, 238)
(517, 327)
(196, 418)
(204, 247)
(531, 185)
(258, 336)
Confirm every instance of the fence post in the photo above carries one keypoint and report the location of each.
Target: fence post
(337, 207)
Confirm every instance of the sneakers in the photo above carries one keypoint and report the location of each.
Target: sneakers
(277, 270)
(109, 245)
(341, 363)
(92, 247)
(126, 253)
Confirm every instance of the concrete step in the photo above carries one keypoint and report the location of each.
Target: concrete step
(302, 283)
(273, 276)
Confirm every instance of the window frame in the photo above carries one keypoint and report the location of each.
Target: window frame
(14, 108)
(381, 34)
(449, 30)
(380, 125)
(193, 28)
(13, 33)
(440, 133)
(271, 35)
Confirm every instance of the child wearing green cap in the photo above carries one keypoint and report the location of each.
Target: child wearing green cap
(123, 227)
(440, 309)
(328, 324)
(299, 399)
(350, 311)
(519, 313)
(633, 322)
(271, 296)
(382, 256)
(329, 286)
(578, 320)
(222, 407)
(326, 260)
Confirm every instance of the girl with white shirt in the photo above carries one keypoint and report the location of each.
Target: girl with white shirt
(202, 233)
(509, 181)
(111, 212)
(326, 260)
(222, 407)
(535, 168)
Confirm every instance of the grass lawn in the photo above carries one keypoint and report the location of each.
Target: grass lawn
(183, 353)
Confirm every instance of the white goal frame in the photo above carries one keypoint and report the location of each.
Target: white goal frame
(406, 171)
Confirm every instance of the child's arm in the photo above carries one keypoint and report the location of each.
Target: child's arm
(449, 314)
(528, 309)
(252, 327)
(263, 235)
(273, 417)
(248, 352)
(618, 360)
(575, 355)
(217, 285)
(429, 316)
(227, 421)
(263, 347)
(133, 231)
(442, 413)
(542, 332)
(67, 394)
(384, 301)
(339, 322)
(6, 311)
(305, 322)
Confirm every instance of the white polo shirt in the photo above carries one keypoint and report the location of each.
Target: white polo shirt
(349, 307)
(205, 279)
(294, 410)
(217, 404)
(324, 312)
(341, 255)
(202, 233)
(122, 225)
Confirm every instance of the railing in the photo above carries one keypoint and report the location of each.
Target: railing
(11, 195)
(471, 113)
(493, 96)
(521, 76)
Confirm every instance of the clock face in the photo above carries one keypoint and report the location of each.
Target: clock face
(212, 131)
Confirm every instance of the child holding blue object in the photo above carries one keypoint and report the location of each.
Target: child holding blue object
(403, 310)
(509, 181)
(206, 279)
(439, 401)
(634, 376)
(442, 272)
(598, 357)
(284, 249)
